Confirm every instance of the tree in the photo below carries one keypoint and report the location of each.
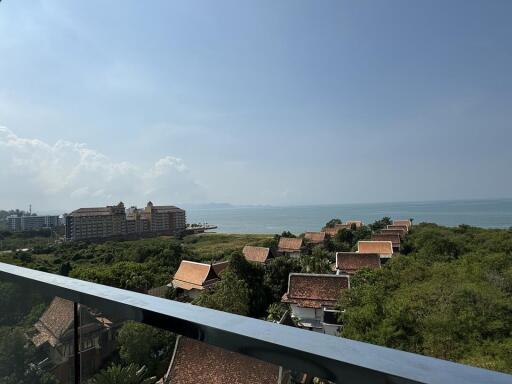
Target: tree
(117, 374)
(143, 345)
(332, 223)
(380, 224)
(229, 295)
(277, 271)
(317, 262)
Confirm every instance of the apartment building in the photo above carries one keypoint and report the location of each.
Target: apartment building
(115, 221)
(28, 223)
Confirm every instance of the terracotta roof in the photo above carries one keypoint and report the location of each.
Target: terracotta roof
(219, 267)
(289, 244)
(315, 237)
(56, 323)
(399, 232)
(351, 262)
(194, 275)
(330, 231)
(314, 290)
(380, 247)
(339, 227)
(408, 223)
(196, 362)
(395, 239)
(256, 254)
(404, 227)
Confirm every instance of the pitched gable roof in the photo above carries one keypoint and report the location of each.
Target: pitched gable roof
(256, 254)
(219, 267)
(407, 223)
(351, 262)
(330, 231)
(315, 237)
(314, 290)
(404, 227)
(379, 247)
(196, 362)
(290, 244)
(192, 275)
(400, 232)
(394, 238)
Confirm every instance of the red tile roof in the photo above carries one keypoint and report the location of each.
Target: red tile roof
(192, 275)
(399, 232)
(289, 244)
(256, 254)
(379, 247)
(196, 362)
(395, 239)
(315, 237)
(314, 290)
(351, 262)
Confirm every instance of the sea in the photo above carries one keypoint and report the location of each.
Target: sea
(298, 219)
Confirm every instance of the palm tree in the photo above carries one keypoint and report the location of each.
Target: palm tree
(117, 374)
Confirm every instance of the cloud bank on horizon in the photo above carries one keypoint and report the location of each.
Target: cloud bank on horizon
(64, 175)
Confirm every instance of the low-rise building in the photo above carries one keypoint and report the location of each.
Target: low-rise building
(394, 238)
(312, 299)
(400, 232)
(290, 246)
(383, 248)
(256, 254)
(315, 237)
(356, 223)
(53, 338)
(407, 223)
(192, 278)
(351, 262)
(196, 362)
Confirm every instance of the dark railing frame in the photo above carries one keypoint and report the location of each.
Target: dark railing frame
(333, 358)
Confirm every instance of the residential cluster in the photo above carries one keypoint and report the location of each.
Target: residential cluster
(117, 222)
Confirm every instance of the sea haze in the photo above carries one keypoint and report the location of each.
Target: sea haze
(298, 219)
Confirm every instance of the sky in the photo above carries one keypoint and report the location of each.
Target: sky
(254, 102)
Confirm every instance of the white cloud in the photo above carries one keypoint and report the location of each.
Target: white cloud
(69, 175)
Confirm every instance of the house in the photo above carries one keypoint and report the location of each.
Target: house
(290, 246)
(315, 237)
(351, 262)
(356, 223)
(394, 238)
(191, 278)
(196, 362)
(53, 338)
(256, 254)
(403, 227)
(312, 299)
(382, 248)
(219, 267)
(330, 231)
(407, 223)
(400, 232)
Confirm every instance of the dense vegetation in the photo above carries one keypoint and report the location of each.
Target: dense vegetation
(449, 296)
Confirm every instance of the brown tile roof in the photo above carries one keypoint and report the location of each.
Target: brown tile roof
(219, 267)
(407, 223)
(399, 232)
(330, 231)
(196, 362)
(192, 275)
(339, 227)
(380, 247)
(404, 227)
(351, 262)
(395, 239)
(315, 237)
(314, 290)
(256, 254)
(289, 244)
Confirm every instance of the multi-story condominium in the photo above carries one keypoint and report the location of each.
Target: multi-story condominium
(114, 221)
(27, 223)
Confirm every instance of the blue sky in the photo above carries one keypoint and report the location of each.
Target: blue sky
(254, 102)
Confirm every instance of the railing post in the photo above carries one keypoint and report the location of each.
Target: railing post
(76, 342)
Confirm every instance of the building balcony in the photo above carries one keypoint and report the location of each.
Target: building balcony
(66, 330)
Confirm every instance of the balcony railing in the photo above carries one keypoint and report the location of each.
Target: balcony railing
(331, 358)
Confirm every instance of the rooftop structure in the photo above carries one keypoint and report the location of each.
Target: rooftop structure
(407, 223)
(315, 237)
(290, 245)
(400, 232)
(314, 290)
(192, 277)
(195, 362)
(256, 254)
(382, 248)
(356, 223)
(394, 238)
(394, 226)
(220, 267)
(351, 262)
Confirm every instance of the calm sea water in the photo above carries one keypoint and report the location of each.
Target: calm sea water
(298, 219)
